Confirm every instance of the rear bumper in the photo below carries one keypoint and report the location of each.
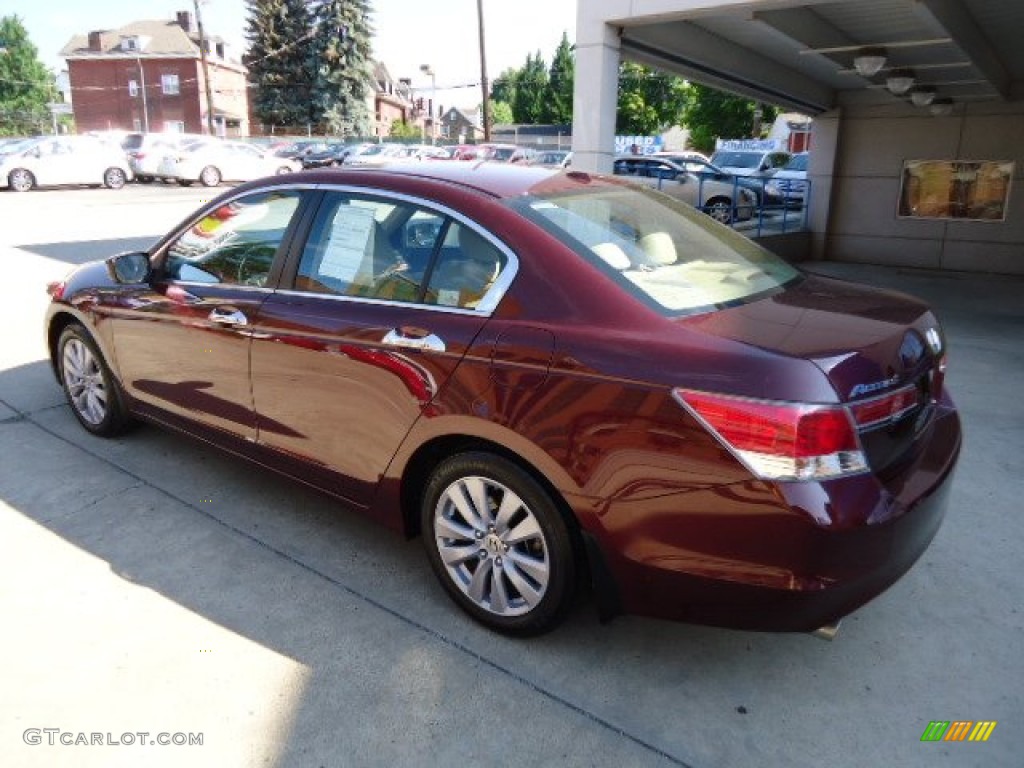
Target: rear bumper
(783, 557)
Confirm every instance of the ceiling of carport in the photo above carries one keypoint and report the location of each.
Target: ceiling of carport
(799, 53)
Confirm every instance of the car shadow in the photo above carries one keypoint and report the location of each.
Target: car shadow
(81, 252)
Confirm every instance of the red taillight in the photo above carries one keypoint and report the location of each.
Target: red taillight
(56, 289)
(885, 409)
(780, 441)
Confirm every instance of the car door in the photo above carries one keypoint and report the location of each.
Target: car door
(368, 333)
(182, 343)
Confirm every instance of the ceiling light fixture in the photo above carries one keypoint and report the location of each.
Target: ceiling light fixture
(922, 95)
(941, 107)
(869, 61)
(900, 81)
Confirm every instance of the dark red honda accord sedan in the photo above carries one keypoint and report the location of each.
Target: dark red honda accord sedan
(555, 378)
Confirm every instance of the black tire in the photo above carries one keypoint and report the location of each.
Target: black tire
(210, 176)
(283, 170)
(144, 179)
(114, 178)
(90, 388)
(719, 209)
(522, 543)
(186, 182)
(21, 180)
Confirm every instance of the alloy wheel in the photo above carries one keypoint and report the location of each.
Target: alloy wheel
(492, 546)
(21, 180)
(84, 380)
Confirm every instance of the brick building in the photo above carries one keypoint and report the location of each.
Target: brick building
(147, 75)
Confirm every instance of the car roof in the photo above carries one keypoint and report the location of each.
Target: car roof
(497, 179)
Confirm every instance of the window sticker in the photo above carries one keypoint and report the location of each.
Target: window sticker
(348, 243)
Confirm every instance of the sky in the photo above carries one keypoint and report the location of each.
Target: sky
(408, 33)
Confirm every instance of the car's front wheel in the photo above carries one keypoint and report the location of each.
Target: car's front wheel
(210, 176)
(498, 543)
(114, 178)
(89, 385)
(21, 180)
(719, 209)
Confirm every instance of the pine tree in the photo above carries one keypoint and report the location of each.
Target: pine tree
(278, 32)
(560, 84)
(340, 56)
(528, 104)
(26, 85)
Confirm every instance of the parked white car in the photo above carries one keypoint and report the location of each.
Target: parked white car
(213, 161)
(56, 160)
(147, 150)
(375, 155)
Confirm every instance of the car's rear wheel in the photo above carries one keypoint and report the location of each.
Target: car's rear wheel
(144, 179)
(21, 180)
(719, 209)
(89, 385)
(210, 176)
(114, 178)
(498, 543)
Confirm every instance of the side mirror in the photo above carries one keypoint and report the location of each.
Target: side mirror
(129, 268)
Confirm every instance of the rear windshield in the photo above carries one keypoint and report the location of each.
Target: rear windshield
(676, 259)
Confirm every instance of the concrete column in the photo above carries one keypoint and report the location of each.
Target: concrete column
(595, 94)
(821, 172)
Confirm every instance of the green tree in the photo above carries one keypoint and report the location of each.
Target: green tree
(501, 113)
(649, 101)
(26, 85)
(279, 66)
(528, 103)
(713, 114)
(340, 54)
(560, 83)
(403, 130)
(503, 87)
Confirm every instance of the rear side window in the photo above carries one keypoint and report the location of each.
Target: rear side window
(235, 244)
(395, 251)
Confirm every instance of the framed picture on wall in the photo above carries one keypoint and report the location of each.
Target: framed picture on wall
(955, 189)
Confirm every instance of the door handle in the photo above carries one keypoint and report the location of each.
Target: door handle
(401, 337)
(226, 316)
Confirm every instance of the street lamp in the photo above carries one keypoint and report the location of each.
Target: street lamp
(426, 69)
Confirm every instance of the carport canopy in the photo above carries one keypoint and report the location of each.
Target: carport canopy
(798, 54)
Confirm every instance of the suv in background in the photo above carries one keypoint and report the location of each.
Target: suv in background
(749, 162)
(788, 185)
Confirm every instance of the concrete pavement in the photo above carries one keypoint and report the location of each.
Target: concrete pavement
(150, 584)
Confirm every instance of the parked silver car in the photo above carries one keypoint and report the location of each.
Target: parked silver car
(212, 161)
(715, 198)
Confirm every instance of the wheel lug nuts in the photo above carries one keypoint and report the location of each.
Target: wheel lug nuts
(483, 554)
(479, 534)
(498, 562)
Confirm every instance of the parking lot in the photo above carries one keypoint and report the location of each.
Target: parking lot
(152, 585)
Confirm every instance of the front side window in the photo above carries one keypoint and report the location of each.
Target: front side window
(396, 251)
(674, 258)
(235, 244)
(169, 85)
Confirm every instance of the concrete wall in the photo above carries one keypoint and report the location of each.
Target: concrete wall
(856, 168)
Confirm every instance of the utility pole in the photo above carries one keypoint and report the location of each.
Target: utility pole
(486, 102)
(145, 103)
(206, 70)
